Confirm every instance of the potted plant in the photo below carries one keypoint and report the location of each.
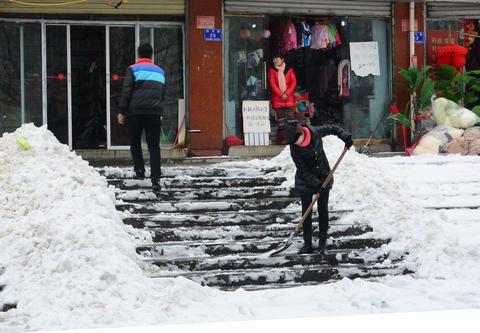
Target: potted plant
(421, 89)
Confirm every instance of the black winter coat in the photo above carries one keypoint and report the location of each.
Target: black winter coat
(143, 89)
(311, 161)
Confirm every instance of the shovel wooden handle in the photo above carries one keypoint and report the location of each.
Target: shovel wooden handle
(317, 196)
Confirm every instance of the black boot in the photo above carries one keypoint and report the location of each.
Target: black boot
(140, 175)
(155, 184)
(322, 243)
(306, 248)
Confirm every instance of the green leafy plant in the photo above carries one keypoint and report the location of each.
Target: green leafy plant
(419, 86)
(399, 116)
(461, 88)
(414, 77)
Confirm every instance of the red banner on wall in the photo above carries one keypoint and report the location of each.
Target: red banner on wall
(436, 39)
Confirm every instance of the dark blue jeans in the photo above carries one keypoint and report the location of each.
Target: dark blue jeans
(151, 124)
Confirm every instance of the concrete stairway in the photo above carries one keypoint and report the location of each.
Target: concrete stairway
(214, 225)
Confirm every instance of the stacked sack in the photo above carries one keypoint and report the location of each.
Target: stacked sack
(450, 113)
(468, 144)
(449, 135)
(437, 140)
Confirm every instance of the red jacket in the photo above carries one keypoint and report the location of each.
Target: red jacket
(277, 100)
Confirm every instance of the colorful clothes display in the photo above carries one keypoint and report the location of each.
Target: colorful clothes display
(325, 36)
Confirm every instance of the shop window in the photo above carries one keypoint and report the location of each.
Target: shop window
(464, 32)
(357, 106)
(245, 67)
(20, 75)
(440, 33)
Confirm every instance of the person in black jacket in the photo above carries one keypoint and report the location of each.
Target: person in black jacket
(306, 149)
(141, 107)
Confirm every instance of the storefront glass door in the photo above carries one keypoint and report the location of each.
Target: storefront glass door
(88, 87)
(75, 89)
(69, 75)
(121, 54)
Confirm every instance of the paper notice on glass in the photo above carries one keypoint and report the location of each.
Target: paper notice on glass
(256, 116)
(365, 58)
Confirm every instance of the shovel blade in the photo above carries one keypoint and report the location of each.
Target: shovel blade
(282, 248)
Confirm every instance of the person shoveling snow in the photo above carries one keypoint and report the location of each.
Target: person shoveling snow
(306, 149)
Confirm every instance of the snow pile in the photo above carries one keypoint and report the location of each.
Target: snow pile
(359, 182)
(377, 192)
(69, 260)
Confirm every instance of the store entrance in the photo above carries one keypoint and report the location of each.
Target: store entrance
(80, 92)
(76, 92)
(317, 48)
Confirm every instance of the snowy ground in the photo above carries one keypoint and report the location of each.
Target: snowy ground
(69, 261)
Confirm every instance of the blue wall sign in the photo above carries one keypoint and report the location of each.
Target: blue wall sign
(212, 35)
(419, 37)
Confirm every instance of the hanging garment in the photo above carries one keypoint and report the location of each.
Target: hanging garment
(343, 76)
(320, 34)
(304, 35)
(252, 87)
(332, 32)
(290, 37)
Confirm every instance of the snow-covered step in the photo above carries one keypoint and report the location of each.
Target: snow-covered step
(461, 215)
(191, 171)
(226, 246)
(249, 261)
(209, 219)
(198, 183)
(241, 232)
(204, 194)
(451, 202)
(311, 274)
(216, 226)
(199, 206)
(444, 189)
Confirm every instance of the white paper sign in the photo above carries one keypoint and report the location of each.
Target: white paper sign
(365, 58)
(256, 116)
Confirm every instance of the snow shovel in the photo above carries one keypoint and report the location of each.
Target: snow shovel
(309, 209)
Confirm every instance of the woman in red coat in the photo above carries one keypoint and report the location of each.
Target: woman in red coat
(282, 86)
